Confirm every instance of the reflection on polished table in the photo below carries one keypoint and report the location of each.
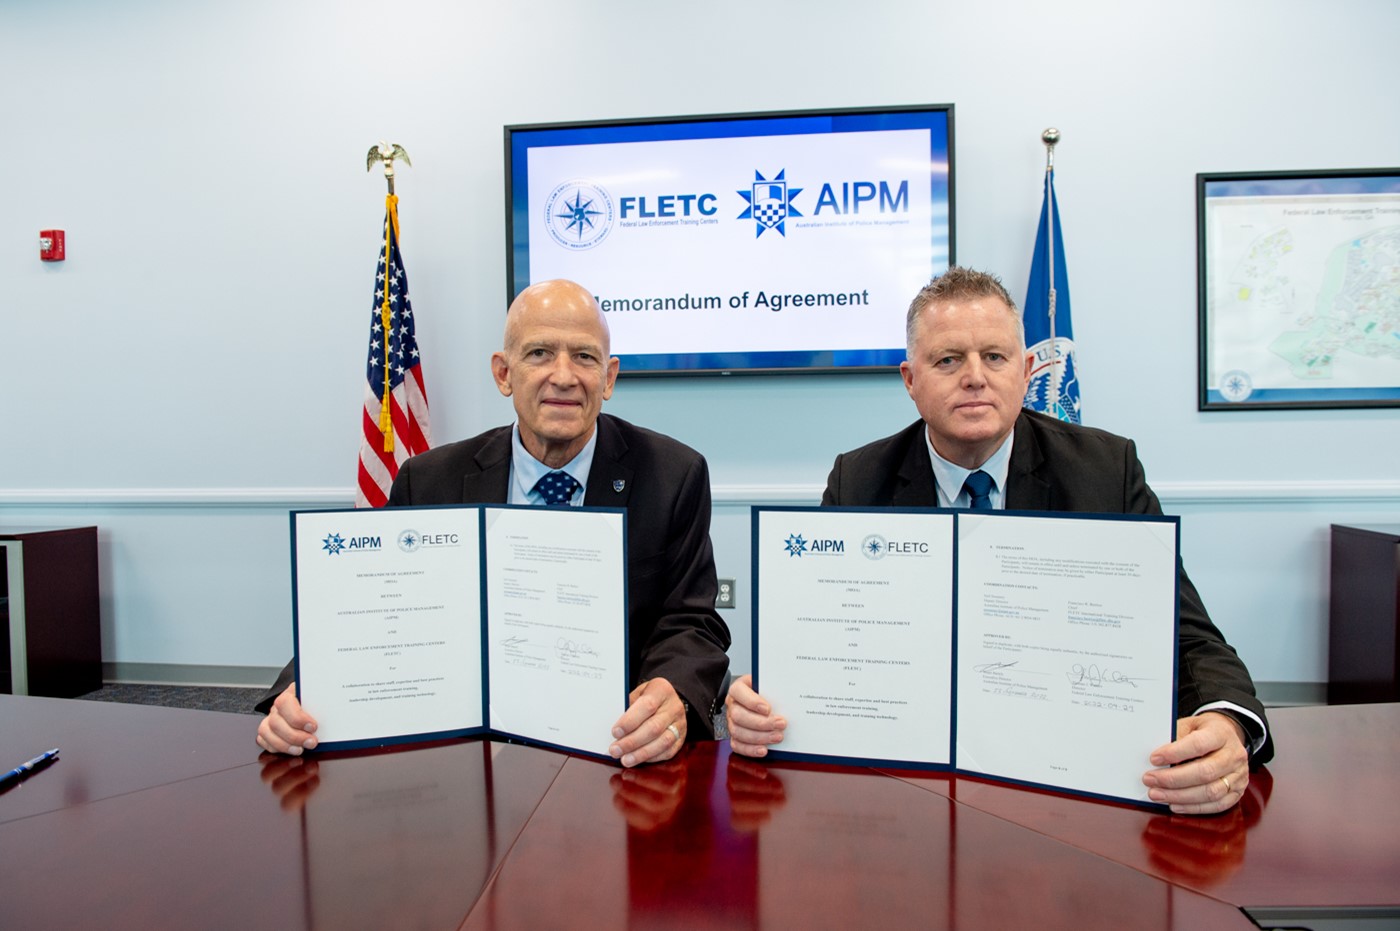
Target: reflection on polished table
(159, 818)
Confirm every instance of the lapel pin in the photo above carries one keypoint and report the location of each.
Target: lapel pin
(619, 484)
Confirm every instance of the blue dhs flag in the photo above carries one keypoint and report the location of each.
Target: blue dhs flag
(1054, 384)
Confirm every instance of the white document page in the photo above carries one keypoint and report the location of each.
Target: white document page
(388, 608)
(1066, 649)
(557, 624)
(854, 647)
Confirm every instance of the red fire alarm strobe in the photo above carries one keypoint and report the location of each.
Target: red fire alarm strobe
(51, 245)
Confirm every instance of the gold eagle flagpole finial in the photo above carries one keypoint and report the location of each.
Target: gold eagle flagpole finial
(386, 152)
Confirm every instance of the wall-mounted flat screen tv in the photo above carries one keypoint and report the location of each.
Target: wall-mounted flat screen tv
(743, 243)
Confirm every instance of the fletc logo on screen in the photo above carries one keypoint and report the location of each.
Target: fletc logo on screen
(579, 214)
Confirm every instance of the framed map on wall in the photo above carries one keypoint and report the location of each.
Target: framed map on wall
(1298, 276)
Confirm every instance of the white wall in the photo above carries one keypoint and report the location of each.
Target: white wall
(194, 368)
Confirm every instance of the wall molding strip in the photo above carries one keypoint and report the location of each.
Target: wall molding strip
(1180, 493)
(189, 674)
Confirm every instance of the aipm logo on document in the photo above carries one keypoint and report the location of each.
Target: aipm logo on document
(798, 545)
(334, 544)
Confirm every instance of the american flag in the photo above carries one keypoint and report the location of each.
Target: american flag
(395, 416)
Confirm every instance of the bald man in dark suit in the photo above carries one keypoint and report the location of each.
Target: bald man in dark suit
(556, 368)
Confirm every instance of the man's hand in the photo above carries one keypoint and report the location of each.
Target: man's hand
(649, 798)
(653, 728)
(752, 723)
(291, 778)
(1201, 851)
(755, 793)
(287, 727)
(1209, 766)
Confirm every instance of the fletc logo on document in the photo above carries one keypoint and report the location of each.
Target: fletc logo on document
(877, 547)
(411, 541)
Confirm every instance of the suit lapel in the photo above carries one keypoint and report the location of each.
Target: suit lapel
(609, 481)
(491, 484)
(1025, 489)
(914, 488)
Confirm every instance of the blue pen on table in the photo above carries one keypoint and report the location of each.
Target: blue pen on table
(23, 769)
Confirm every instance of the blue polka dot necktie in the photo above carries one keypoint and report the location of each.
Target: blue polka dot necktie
(556, 488)
(979, 488)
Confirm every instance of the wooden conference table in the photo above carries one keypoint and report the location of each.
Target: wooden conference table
(158, 818)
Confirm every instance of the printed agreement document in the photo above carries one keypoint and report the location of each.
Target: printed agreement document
(1034, 648)
(1066, 649)
(414, 623)
(855, 644)
(388, 621)
(556, 630)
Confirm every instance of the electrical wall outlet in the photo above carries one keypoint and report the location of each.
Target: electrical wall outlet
(725, 598)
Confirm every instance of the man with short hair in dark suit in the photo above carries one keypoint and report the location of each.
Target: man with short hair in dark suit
(556, 369)
(967, 370)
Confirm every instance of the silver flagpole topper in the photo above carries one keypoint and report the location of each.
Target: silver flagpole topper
(1051, 138)
(386, 152)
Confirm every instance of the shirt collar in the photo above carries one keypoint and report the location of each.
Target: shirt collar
(526, 470)
(949, 477)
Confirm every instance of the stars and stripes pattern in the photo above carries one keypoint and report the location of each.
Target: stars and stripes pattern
(395, 417)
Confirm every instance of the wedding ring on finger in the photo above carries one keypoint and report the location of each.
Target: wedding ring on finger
(1226, 780)
(675, 731)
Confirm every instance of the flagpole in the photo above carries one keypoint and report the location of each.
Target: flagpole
(386, 153)
(394, 423)
(1051, 137)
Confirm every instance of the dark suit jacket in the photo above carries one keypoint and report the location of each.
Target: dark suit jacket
(1057, 466)
(674, 631)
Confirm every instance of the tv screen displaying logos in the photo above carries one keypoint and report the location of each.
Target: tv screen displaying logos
(761, 242)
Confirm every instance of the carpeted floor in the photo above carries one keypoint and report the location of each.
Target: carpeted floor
(205, 698)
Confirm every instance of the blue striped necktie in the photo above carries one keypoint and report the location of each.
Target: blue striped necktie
(979, 487)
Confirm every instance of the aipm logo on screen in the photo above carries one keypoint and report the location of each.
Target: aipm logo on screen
(770, 201)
